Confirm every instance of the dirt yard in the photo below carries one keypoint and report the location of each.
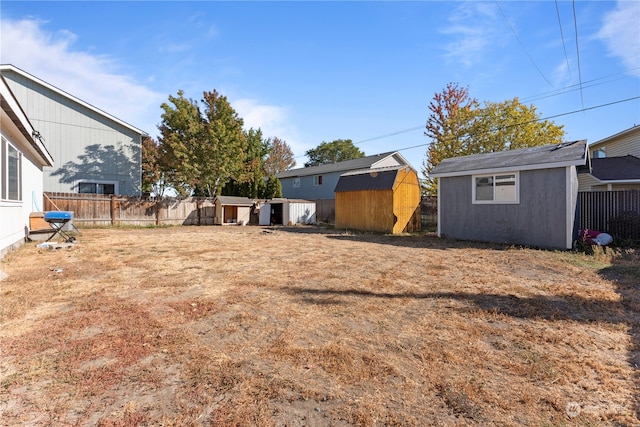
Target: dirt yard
(289, 327)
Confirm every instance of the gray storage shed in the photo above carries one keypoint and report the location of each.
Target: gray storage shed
(524, 196)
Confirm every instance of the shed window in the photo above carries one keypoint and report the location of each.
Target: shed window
(502, 188)
(317, 180)
(12, 172)
(296, 182)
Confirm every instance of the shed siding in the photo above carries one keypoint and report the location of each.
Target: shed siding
(538, 220)
(365, 210)
(393, 210)
(406, 202)
(85, 145)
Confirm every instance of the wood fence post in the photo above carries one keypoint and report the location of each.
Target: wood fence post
(112, 206)
(198, 204)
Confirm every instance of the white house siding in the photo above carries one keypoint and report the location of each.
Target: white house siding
(14, 214)
(86, 145)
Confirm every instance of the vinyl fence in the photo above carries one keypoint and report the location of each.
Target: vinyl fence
(614, 212)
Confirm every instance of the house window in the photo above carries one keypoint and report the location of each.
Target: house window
(503, 188)
(317, 180)
(12, 172)
(600, 153)
(88, 187)
(296, 182)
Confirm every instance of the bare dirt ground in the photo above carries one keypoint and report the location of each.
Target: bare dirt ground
(239, 326)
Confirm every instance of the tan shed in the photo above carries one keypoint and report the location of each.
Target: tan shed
(385, 200)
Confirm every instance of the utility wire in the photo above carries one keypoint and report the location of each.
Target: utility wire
(522, 44)
(570, 88)
(575, 25)
(503, 127)
(566, 58)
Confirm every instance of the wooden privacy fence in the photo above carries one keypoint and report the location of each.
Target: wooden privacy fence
(613, 212)
(108, 210)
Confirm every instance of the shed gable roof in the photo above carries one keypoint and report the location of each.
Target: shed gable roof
(543, 157)
(12, 68)
(373, 179)
(234, 201)
(367, 162)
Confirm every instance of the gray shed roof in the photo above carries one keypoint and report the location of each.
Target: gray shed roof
(544, 157)
(234, 201)
(345, 166)
(373, 179)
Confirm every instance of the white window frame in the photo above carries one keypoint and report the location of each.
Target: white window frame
(5, 180)
(296, 182)
(496, 177)
(317, 180)
(116, 188)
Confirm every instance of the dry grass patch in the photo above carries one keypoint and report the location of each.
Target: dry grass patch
(234, 326)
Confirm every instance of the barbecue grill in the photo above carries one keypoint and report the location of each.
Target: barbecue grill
(57, 221)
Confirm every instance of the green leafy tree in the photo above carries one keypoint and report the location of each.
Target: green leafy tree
(201, 151)
(152, 177)
(335, 151)
(458, 126)
(250, 182)
(273, 188)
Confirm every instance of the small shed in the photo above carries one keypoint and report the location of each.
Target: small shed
(385, 200)
(525, 196)
(281, 211)
(232, 210)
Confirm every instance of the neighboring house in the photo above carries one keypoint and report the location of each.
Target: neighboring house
(318, 183)
(21, 170)
(615, 163)
(384, 199)
(526, 196)
(94, 152)
(232, 210)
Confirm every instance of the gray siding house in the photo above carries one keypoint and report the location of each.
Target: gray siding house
(94, 152)
(319, 182)
(526, 196)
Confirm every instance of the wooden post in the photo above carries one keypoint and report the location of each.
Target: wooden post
(112, 206)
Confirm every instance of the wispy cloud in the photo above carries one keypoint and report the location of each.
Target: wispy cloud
(470, 32)
(93, 78)
(620, 32)
(271, 119)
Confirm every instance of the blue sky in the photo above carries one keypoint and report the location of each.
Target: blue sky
(309, 72)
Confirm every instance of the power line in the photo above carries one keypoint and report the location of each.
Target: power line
(504, 127)
(575, 25)
(517, 124)
(566, 58)
(596, 82)
(522, 44)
